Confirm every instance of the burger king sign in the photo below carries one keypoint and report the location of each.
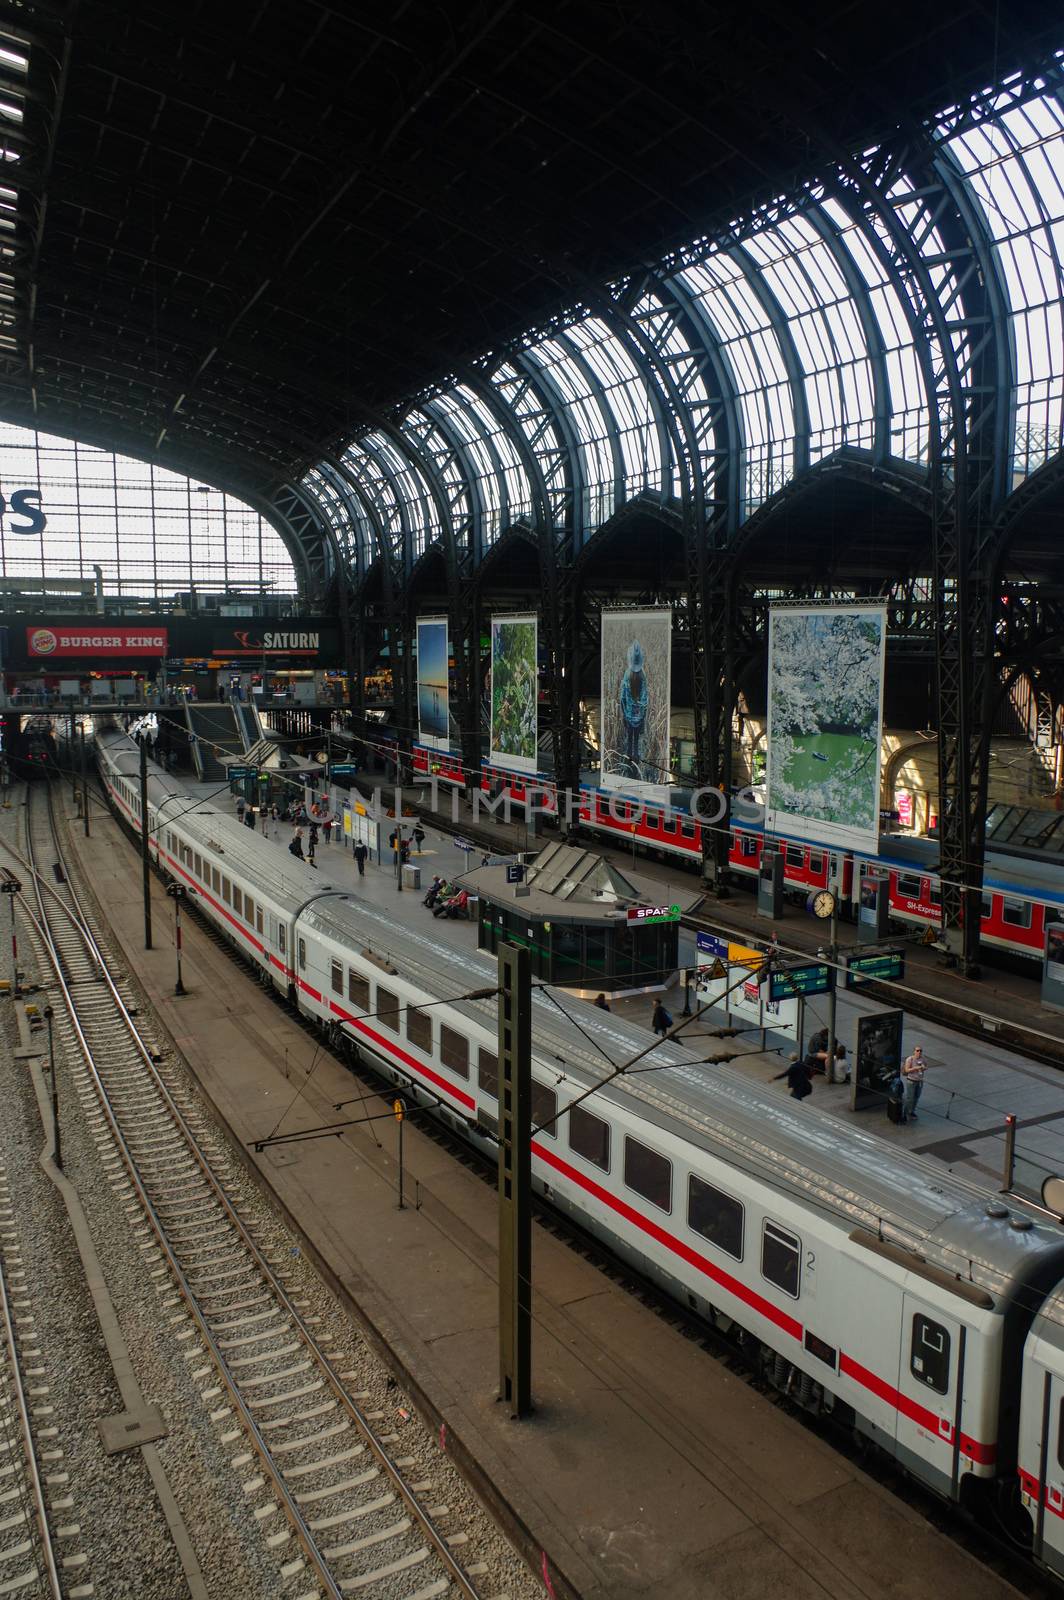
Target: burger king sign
(101, 642)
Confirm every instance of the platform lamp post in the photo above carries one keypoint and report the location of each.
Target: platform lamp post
(178, 893)
(12, 886)
(49, 1015)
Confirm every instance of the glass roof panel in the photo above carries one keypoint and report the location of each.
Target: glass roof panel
(1014, 166)
(540, 429)
(591, 423)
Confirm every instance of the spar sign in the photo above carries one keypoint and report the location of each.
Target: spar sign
(64, 642)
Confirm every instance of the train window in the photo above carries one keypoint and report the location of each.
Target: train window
(419, 1030)
(387, 1009)
(687, 828)
(238, 900)
(652, 819)
(454, 1051)
(1017, 913)
(282, 937)
(986, 907)
(648, 1173)
(227, 892)
(795, 855)
(249, 909)
(934, 892)
(258, 918)
(358, 990)
(909, 885)
(781, 1258)
(217, 880)
(488, 1072)
(589, 1136)
(816, 862)
(336, 977)
(544, 1110)
(197, 862)
(929, 1354)
(302, 955)
(716, 1216)
(1060, 1436)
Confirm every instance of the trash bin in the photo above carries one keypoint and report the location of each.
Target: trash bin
(411, 877)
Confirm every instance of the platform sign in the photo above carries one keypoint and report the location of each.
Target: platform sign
(241, 772)
(514, 872)
(880, 966)
(465, 845)
(878, 1057)
(711, 948)
(794, 981)
(1053, 968)
(343, 769)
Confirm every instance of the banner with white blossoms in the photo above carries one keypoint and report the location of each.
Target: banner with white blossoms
(825, 723)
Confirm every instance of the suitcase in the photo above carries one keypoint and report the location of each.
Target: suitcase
(894, 1109)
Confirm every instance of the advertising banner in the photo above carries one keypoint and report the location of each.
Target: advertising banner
(433, 694)
(256, 640)
(636, 688)
(878, 1056)
(825, 723)
(514, 739)
(103, 642)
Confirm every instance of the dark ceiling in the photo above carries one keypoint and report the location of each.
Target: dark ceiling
(248, 229)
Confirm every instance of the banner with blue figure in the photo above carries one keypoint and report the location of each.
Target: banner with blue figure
(636, 689)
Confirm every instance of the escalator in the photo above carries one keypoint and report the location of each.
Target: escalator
(215, 734)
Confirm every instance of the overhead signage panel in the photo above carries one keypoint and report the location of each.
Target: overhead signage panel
(53, 642)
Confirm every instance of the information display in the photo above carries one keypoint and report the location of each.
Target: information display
(814, 979)
(825, 723)
(886, 966)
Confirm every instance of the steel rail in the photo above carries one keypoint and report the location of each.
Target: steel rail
(286, 1495)
(40, 1506)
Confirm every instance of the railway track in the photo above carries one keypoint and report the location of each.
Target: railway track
(29, 1561)
(327, 1489)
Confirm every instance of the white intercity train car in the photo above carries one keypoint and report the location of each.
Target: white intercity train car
(921, 1310)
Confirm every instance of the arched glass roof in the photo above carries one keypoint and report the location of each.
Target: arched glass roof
(809, 330)
(151, 532)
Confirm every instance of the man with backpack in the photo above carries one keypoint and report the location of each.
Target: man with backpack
(661, 1021)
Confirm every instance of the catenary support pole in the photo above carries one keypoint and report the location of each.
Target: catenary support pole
(145, 842)
(84, 779)
(515, 1179)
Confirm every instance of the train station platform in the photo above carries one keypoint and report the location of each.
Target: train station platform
(649, 1470)
(1009, 1000)
(972, 1083)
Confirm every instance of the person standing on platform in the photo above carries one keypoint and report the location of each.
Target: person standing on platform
(275, 823)
(799, 1076)
(602, 1002)
(249, 817)
(419, 838)
(295, 846)
(241, 807)
(327, 826)
(361, 852)
(661, 1021)
(912, 1077)
(312, 845)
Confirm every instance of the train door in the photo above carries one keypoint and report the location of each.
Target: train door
(1041, 1454)
(930, 1391)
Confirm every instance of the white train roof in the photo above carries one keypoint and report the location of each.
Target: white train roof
(811, 1155)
